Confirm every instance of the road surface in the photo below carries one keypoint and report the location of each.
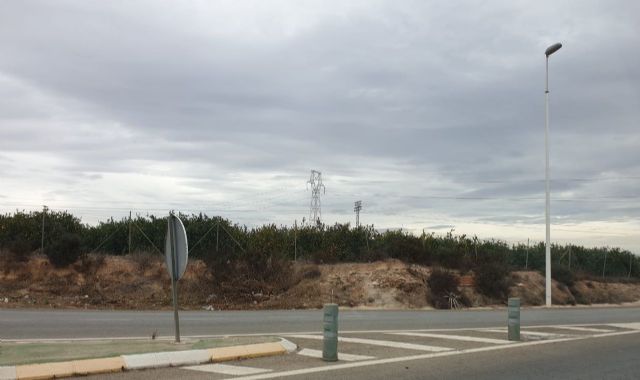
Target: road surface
(39, 324)
(559, 343)
(604, 358)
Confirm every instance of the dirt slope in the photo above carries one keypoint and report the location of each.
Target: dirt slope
(141, 282)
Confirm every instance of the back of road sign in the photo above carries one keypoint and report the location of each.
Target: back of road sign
(176, 240)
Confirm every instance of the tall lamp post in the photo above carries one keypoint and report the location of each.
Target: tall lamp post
(550, 50)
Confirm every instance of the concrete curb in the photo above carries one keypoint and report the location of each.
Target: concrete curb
(143, 361)
(8, 373)
(166, 359)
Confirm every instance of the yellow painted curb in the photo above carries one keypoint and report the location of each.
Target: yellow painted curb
(223, 354)
(117, 364)
(44, 371)
(264, 349)
(94, 366)
(68, 369)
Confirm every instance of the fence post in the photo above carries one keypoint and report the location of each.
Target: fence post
(604, 266)
(44, 211)
(295, 240)
(526, 260)
(217, 233)
(129, 231)
(630, 264)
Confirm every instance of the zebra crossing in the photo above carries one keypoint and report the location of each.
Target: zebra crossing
(379, 347)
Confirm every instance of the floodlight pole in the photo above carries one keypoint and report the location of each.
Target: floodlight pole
(550, 50)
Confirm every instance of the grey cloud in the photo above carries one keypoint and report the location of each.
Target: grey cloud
(443, 101)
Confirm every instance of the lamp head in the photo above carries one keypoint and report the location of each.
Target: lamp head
(552, 49)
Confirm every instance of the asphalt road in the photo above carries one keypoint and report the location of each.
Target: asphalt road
(607, 358)
(582, 355)
(39, 324)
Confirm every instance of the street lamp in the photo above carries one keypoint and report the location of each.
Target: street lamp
(550, 50)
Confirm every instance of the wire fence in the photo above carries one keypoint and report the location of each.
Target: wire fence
(217, 238)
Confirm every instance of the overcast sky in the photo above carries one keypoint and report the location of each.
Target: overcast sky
(431, 113)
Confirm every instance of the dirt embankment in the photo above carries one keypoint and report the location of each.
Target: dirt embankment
(141, 282)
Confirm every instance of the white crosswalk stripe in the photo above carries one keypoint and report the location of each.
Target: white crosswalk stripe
(585, 329)
(553, 334)
(326, 369)
(384, 343)
(226, 369)
(341, 356)
(463, 338)
(523, 332)
(632, 326)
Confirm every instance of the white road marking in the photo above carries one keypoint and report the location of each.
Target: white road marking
(633, 326)
(336, 367)
(281, 333)
(463, 338)
(226, 369)
(581, 328)
(522, 332)
(341, 356)
(384, 343)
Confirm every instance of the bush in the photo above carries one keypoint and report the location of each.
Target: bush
(253, 271)
(562, 274)
(20, 249)
(326, 256)
(402, 246)
(492, 280)
(442, 285)
(64, 251)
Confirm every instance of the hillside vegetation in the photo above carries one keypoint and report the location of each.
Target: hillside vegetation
(219, 243)
(279, 267)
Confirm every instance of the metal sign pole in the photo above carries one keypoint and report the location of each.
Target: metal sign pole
(176, 248)
(174, 281)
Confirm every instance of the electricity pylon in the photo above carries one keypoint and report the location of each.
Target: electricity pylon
(315, 213)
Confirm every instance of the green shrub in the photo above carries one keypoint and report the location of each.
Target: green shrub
(492, 280)
(403, 246)
(64, 251)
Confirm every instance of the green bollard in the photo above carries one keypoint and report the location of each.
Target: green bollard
(330, 333)
(513, 322)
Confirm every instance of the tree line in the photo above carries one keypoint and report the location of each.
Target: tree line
(219, 240)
